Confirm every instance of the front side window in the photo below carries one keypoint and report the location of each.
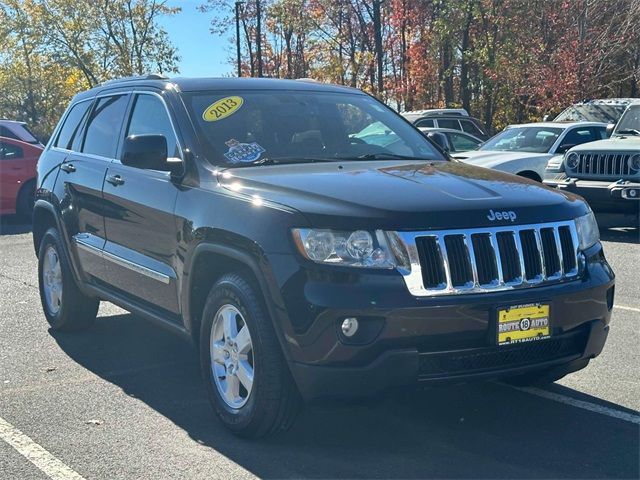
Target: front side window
(629, 124)
(278, 126)
(104, 126)
(462, 143)
(150, 116)
(470, 127)
(524, 139)
(10, 152)
(578, 136)
(72, 125)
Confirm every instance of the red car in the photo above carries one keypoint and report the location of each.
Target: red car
(17, 176)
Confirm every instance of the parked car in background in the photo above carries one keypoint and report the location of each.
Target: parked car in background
(452, 118)
(607, 110)
(18, 131)
(452, 140)
(525, 149)
(17, 176)
(606, 173)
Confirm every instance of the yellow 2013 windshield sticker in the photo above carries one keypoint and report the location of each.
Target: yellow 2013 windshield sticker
(222, 108)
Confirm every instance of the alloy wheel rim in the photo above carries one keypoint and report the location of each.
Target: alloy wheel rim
(52, 280)
(232, 360)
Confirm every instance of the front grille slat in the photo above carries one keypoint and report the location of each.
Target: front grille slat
(485, 259)
(603, 164)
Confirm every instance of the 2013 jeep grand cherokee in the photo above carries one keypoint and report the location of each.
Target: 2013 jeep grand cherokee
(311, 242)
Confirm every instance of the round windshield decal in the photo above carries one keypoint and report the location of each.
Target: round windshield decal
(222, 108)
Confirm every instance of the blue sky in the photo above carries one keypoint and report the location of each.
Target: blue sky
(202, 54)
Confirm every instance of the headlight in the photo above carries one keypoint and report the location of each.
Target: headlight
(587, 228)
(555, 163)
(572, 160)
(634, 162)
(358, 248)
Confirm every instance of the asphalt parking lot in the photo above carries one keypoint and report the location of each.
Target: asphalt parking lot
(124, 400)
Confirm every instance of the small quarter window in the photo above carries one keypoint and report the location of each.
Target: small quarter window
(72, 125)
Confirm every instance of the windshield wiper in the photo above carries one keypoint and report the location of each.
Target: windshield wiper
(628, 131)
(382, 156)
(283, 161)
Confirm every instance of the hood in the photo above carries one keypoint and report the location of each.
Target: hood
(400, 196)
(615, 143)
(492, 158)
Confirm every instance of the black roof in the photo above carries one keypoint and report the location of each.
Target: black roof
(184, 84)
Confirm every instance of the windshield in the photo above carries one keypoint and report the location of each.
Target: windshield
(590, 112)
(629, 122)
(279, 126)
(524, 139)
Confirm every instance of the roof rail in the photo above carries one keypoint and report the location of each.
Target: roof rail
(151, 76)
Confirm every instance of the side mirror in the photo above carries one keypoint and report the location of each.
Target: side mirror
(610, 128)
(439, 139)
(564, 147)
(148, 152)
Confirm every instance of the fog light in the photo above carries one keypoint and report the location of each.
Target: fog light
(349, 327)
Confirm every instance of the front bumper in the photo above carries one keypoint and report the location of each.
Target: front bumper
(620, 198)
(409, 340)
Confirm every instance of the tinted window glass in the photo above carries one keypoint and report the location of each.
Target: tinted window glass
(425, 123)
(448, 123)
(578, 136)
(5, 132)
(104, 126)
(470, 127)
(601, 133)
(72, 124)
(243, 127)
(150, 117)
(462, 143)
(10, 152)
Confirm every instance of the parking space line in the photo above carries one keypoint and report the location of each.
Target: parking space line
(630, 309)
(574, 402)
(37, 455)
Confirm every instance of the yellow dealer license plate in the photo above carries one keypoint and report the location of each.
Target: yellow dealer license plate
(523, 323)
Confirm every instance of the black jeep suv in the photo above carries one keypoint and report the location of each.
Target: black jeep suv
(305, 255)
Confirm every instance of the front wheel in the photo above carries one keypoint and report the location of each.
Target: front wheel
(245, 374)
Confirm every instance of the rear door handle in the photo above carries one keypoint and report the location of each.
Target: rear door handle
(68, 167)
(115, 180)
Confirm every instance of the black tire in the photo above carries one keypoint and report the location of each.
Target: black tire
(273, 403)
(26, 200)
(76, 311)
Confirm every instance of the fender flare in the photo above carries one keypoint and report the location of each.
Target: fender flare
(261, 271)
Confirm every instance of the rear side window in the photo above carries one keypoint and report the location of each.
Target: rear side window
(104, 126)
(10, 152)
(72, 124)
(6, 133)
(425, 123)
(448, 123)
(150, 117)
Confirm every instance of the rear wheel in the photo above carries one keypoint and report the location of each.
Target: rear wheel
(65, 306)
(245, 374)
(26, 199)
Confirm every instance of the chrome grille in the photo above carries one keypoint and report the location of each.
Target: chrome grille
(490, 259)
(604, 164)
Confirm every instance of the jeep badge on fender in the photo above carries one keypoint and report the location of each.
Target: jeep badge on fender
(263, 221)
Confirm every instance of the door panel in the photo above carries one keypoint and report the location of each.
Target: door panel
(12, 173)
(81, 180)
(141, 235)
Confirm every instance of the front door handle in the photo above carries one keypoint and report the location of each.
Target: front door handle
(68, 167)
(115, 180)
